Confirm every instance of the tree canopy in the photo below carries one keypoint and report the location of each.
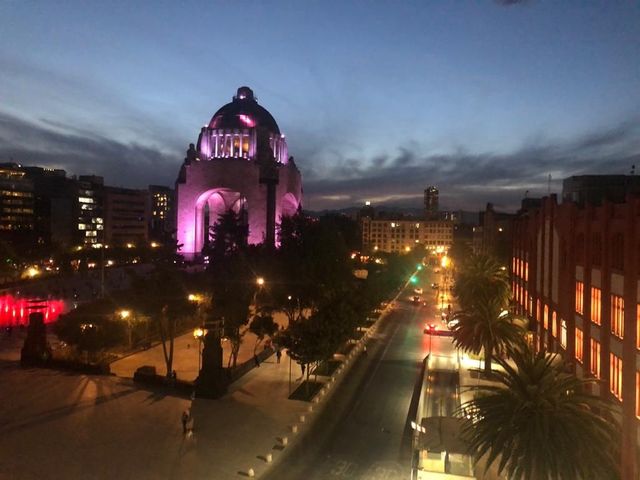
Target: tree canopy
(540, 422)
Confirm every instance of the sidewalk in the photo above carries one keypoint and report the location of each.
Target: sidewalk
(232, 432)
(236, 433)
(185, 355)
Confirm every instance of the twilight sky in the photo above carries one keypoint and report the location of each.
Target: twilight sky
(378, 99)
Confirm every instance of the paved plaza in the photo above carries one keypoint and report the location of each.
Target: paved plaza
(58, 425)
(61, 425)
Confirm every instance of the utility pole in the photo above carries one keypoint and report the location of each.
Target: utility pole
(102, 271)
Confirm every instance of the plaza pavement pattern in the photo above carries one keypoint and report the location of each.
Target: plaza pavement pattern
(60, 425)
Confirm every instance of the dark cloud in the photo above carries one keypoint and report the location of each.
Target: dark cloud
(470, 180)
(332, 180)
(51, 144)
(508, 3)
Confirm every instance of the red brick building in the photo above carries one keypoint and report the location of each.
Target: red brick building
(575, 275)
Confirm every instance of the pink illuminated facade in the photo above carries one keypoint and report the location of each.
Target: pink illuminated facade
(239, 163)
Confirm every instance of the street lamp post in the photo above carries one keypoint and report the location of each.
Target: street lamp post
(126, 315)
(198, 333)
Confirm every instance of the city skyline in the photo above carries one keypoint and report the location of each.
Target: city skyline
(377, 101)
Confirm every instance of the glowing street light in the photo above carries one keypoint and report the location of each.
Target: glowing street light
(192, 297)
(260, 281)
(199, 334)
(445, 262)
(32, 272)
(126, 315)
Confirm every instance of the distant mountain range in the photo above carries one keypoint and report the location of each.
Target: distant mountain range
(468, 217)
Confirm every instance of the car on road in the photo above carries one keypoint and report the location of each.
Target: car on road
(417, 290)
(416, 299)
(436, 329)
(435, 286)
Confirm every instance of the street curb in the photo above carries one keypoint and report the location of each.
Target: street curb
(297, 430)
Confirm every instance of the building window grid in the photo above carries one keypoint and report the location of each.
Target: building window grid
(615, 376)
(596, 305)
(595, 358)
(617, 316)
(579, 297)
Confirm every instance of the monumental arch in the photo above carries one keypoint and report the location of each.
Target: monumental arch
(239, 163)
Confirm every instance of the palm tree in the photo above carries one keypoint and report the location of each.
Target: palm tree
(486, 326)
(541, 423)
(480, 277)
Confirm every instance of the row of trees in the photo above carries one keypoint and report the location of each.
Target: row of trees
(309, 278)
(537, 420)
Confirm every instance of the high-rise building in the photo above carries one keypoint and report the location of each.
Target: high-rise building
(126, 216)
(55, 206)
(431, 203)
(595, 189)
(90, 210)
(17, 218)
(162, 225)
(240, 163)
(576, 277)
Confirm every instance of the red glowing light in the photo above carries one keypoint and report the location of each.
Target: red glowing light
(16, 310)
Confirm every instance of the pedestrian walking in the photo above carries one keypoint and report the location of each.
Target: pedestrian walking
(185, 419)
(278, 355)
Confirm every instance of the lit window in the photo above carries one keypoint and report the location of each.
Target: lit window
(617, 316)
(85, 200)
(579, 297)
(563, 333)
(554, 325)
(638, 393)
(579, 345)
(595, 358)
(545, 321)
(638, 325)
(596, 305)
(82, 226)
(615, 376)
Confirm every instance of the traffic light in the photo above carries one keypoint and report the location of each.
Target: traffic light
(419, 267)
(413, 279)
